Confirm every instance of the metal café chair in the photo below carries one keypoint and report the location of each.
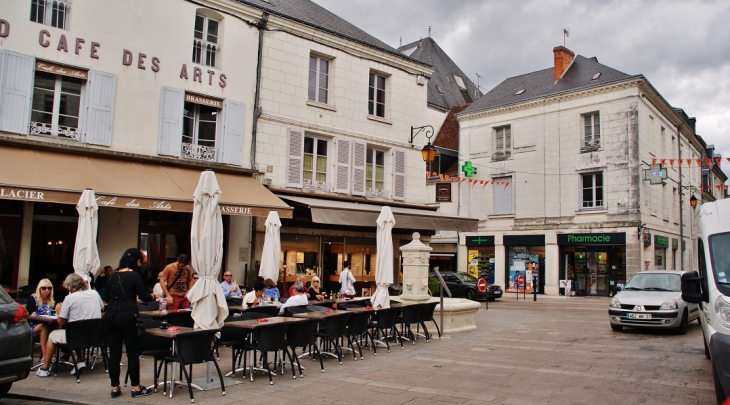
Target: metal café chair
(193, 348)
(301, 334)
(385, 326)
(410, 314)
(336, 328)
(153, 346)
(235, 339)
(268, 338)
(82, 335)
(427, 316)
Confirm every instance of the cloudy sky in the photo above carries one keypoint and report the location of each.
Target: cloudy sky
(682, 47)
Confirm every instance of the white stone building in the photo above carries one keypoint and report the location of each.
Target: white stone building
(562, 155)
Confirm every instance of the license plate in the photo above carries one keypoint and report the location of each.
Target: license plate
(638, 316)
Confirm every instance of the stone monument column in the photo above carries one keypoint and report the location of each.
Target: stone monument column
(415, 270)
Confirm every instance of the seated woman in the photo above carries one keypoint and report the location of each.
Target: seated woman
(271, 290)
(41, 303)
(314, 291)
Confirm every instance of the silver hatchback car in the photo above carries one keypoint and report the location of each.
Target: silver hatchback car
(652, 299)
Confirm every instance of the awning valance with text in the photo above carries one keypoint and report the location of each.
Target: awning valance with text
(356, 214)
(45, 176)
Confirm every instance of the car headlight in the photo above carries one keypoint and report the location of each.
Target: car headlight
(614, 303)
(722, 310)
(669, 304)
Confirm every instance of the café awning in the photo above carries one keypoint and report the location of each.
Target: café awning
(361, 214)
(46, 176)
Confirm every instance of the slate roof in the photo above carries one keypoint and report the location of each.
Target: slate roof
(541, 84)
(443, 92)
(310, 13)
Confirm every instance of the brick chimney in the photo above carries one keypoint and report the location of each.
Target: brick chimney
(563, 57)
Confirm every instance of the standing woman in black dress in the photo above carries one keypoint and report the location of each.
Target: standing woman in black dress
(123, 288)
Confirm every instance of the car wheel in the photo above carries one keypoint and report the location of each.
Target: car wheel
(4, 388)
(719, 392)
(471, 295)
(707, 349)
(682, 329)
(617, 328)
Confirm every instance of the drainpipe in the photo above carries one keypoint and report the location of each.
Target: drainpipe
(261, 25)
(681, 208)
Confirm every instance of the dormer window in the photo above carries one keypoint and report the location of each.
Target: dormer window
(460, 82)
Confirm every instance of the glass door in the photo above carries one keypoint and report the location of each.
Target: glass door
(332, 257)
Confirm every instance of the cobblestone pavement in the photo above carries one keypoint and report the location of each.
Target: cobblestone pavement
(554, 351)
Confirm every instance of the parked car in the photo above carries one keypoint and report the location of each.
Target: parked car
(16, 347)
(652, 299)
(462, 285)
(494, 291)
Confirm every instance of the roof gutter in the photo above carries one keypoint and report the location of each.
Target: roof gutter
(261, 25)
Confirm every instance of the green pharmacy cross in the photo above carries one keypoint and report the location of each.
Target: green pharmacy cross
(656, 174)
(479, 240)
(468, 169)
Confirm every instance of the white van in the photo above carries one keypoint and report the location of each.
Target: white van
(710, 288)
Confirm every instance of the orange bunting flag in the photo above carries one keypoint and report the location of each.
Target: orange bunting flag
(474, 183)
(719, 188)
(708, 162)
(484, 183)
(699, 162)
(506, 183)
(680, 163)
(671, 163)
(663, 162)
(718, 161)
(728, 159)
(462, 179)
(689, 162)
(653, 161)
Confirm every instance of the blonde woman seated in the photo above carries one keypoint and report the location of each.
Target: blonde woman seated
(314, 290)
(39, 304)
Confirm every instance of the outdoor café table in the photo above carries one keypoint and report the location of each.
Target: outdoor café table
(48, 319)
(253, 324)
(169, 334)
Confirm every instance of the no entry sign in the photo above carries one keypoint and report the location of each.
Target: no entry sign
(482, 285)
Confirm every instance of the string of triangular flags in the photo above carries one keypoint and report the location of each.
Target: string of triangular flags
(473, 182)
(687, 162)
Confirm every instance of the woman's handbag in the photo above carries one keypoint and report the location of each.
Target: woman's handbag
(120, 288)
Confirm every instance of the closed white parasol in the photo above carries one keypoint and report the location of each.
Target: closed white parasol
(86, 254)
(272, 248)
(384, 259)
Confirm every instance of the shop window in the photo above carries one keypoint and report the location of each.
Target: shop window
(199, 131)
(503, 196)
(319, 74)
(315, 163)
(525, 264)
(50, 12)
(376, 95)
(592, 191)
(206, 41)
(56, 105)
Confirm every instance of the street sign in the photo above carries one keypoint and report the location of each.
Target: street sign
(521, 280)
(482, 285)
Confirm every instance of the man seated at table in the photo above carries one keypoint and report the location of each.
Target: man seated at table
(81, 303)
(299, 298)
(302, 279)
(254, 297)
(230, 289)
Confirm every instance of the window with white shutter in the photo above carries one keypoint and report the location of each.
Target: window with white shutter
(295, 158)
(342, 166)
(17, 87)
(359, 151)
(375, 173)
(101, 92)
(503, 196)
(171, 121)
(232, 148)
(399, 174)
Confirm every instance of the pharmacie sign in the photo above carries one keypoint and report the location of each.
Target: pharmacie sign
(592, 239)
(661, 241)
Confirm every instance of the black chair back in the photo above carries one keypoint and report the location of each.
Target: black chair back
(412, 314)
(386, 317)
(153, 306)
(195, 347)
(231, 335)
(358, 323)
(271, 337)
(84, 334)
(318, 308)
(337, 324)
(289, 311)
(183, 318)
(270, 310)
(427, 311)
(253, 315)
(301, 334)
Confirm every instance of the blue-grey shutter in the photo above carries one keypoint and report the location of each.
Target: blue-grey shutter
(295, 158)
(16, 80)
(399, 174)
(359, 160)
(101, 90)
(172, 102)
(342, 166)
(234, 116)
(503, 196)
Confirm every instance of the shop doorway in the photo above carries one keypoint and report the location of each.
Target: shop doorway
(10, 225)
(660, 259)
(52, 243)
(595, 271)
(163, 236)
(332, 258)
